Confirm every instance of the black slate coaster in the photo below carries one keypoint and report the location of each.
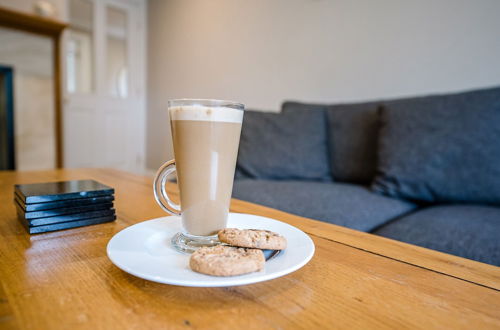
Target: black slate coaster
(67, 225)
(63, 211)
(64, 218)
(58, 191)
(64, 203)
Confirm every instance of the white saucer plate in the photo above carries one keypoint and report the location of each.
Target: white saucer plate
(144, 250)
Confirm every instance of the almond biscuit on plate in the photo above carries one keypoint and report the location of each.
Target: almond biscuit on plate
(252, 238)
(223, 260)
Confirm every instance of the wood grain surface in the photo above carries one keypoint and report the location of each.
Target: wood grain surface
(64, 280)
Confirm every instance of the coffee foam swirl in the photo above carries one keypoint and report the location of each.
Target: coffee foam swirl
(203, 113)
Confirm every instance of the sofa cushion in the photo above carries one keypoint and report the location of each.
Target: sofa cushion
(353, 137)
(342, 204)
(284, 146)
(352, 132)
(441, 148)
(467, 231)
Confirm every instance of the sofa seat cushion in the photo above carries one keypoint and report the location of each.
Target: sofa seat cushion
(348, 205)
(467, 231)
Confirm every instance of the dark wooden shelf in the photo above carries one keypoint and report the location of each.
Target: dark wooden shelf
(30, 22)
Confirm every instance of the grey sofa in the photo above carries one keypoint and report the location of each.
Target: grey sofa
(423, 170)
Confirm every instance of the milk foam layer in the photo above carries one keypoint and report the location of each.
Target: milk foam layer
(203, 113)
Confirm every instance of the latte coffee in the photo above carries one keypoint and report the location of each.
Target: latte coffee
(206, 143)
(206, 135)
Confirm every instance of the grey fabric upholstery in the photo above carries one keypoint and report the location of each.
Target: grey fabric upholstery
(284, 146)
(467, 231)
(433, 149)
(352, 131)
(441, 148)
(348, 205)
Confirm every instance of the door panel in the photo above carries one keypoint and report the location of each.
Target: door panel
(105, 128)
(76, 124)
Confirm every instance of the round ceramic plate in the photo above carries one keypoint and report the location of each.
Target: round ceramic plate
(144, 250)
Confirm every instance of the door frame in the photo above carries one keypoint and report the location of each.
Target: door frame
(53, 29)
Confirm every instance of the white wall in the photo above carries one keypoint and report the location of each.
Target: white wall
(261, 52)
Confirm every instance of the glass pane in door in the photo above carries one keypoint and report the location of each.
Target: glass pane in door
(116, 52)
(80, 47)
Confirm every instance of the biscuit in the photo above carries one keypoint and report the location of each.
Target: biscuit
(252, 238)
(222, 260)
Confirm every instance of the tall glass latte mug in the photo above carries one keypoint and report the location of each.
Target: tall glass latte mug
(206, 135)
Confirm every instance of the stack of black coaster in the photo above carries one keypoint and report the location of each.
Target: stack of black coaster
(43, 207)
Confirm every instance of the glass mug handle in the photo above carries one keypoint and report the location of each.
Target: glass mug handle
(160, 192)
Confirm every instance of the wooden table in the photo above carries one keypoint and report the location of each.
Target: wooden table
(64, 280)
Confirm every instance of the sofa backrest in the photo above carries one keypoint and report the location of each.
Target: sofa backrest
(352, 137)
(284, 146)
(353, 131)
(441, 149)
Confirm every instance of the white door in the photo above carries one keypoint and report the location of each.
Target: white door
(104, 110)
